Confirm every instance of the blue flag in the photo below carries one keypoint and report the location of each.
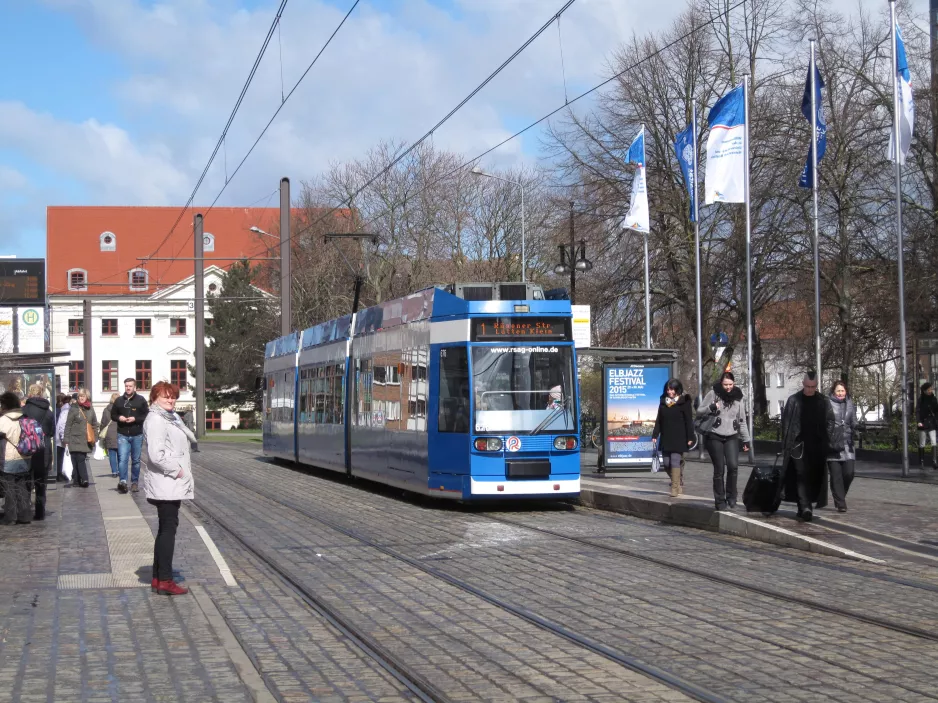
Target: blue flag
(685, 148)
(807, 177)
(725, 175)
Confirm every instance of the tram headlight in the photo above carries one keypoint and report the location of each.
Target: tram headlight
(565, 443)
(488, 444)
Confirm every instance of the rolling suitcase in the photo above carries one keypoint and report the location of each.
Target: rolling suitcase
(763, 489)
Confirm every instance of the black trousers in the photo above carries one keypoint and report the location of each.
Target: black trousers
(39, 470)
(168, 513)
(809, 477)
(79, 467)
(841, 478)
(723, 451)
(59, 459)
(16, 504)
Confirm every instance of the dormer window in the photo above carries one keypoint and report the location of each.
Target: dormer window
(108, 241)
(208, 242)
(139, 280)
(77, 279)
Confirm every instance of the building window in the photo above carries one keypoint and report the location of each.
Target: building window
(144, 375)
(247, 420)
(213, 419)
(178, 374)
(109, 327)
(768, 380)
(177, 326)
(138, 279)
(208, 241)
(142, 327)
(209, 322)
(76, 326)
(781, 406)
(76, 375)
(77, 279)
(108, 241)
(780, 379)
(212, 287)
(109, 376)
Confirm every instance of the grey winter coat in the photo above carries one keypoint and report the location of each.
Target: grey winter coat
(845, 424)
(75, 424)
(731, 409)
(110, 439)
(168, 473)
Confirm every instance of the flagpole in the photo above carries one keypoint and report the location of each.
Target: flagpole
(817, 259)
(900, 249)
(647, 280)
(752, 404)
(700, 342)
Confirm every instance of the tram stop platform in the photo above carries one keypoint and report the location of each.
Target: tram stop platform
(888, 519)
(79, 621)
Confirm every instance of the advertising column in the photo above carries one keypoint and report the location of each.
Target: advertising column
(631, 393)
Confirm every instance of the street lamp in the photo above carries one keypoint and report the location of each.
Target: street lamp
(477, 171)
(258, 230)
(577, 260)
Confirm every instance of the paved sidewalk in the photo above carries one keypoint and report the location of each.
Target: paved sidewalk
(78, 621)
(895, 520)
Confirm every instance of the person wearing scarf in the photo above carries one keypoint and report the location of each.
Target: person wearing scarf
(81, 416)
(674, 430)
(167, 479)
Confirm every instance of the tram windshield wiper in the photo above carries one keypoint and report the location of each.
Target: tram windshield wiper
(562, 408)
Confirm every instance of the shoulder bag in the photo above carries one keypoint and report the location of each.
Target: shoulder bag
(89, 430)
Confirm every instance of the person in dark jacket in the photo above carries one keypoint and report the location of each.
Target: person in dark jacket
(807, 426)
(109, 432)
(129, 411)
(724, 403)
(841, 463)
(927, 424)
(40, 463)
(81, 416)
(674, 430)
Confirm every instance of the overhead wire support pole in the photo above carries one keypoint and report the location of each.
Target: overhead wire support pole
(817, 256)
(903, 394)
(286, 278)
(199, 294)
(749, 328)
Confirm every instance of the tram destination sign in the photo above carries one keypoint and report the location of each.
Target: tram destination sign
(495, 329)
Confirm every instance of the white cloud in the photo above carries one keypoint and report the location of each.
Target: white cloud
(102, 157)
(11, 179)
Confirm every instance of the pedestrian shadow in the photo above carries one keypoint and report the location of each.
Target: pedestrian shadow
(145, 574)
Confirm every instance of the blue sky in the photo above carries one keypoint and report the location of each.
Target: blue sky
(120, 102)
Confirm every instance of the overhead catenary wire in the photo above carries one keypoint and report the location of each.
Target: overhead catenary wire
(517, 134)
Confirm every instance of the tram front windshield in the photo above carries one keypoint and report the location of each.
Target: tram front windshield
(523, 389)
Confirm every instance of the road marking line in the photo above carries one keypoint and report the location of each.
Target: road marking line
(217, 556)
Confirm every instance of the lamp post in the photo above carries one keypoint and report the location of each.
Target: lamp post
(577, 260)
(477, 171)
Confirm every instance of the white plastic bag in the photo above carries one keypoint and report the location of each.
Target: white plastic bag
(67, 464)
(99, 453)
(655, 461)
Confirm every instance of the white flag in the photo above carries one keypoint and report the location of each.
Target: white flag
(906, 108)
(637, 217)
(725, 177)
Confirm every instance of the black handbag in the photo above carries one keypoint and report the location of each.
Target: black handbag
(704, 424)
(764, 488)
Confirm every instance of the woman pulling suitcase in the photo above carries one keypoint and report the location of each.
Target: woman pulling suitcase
(722, 421)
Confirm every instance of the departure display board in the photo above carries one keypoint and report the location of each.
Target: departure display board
(22, 282)
(547, 329)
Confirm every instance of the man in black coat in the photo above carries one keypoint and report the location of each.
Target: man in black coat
(40, 463)
(129, 411)
(807, 426)
(927, 424)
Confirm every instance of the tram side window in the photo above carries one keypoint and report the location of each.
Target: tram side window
(454, 390)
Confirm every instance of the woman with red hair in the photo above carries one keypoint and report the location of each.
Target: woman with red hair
(167, 480)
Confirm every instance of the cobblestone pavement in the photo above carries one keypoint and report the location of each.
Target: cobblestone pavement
(732, 642)
(900, 509)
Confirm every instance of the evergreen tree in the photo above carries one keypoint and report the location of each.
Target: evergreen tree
(243, 321)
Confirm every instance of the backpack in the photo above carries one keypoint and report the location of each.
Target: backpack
(31, 437)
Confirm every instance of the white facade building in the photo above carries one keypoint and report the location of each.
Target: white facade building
(148, 338)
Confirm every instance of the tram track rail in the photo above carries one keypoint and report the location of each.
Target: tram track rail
(421, 689)
(663, 676)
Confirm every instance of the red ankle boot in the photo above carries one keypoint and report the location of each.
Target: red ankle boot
(171, 588)
(154, 584)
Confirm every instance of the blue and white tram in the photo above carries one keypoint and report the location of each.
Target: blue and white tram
(435, 394)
